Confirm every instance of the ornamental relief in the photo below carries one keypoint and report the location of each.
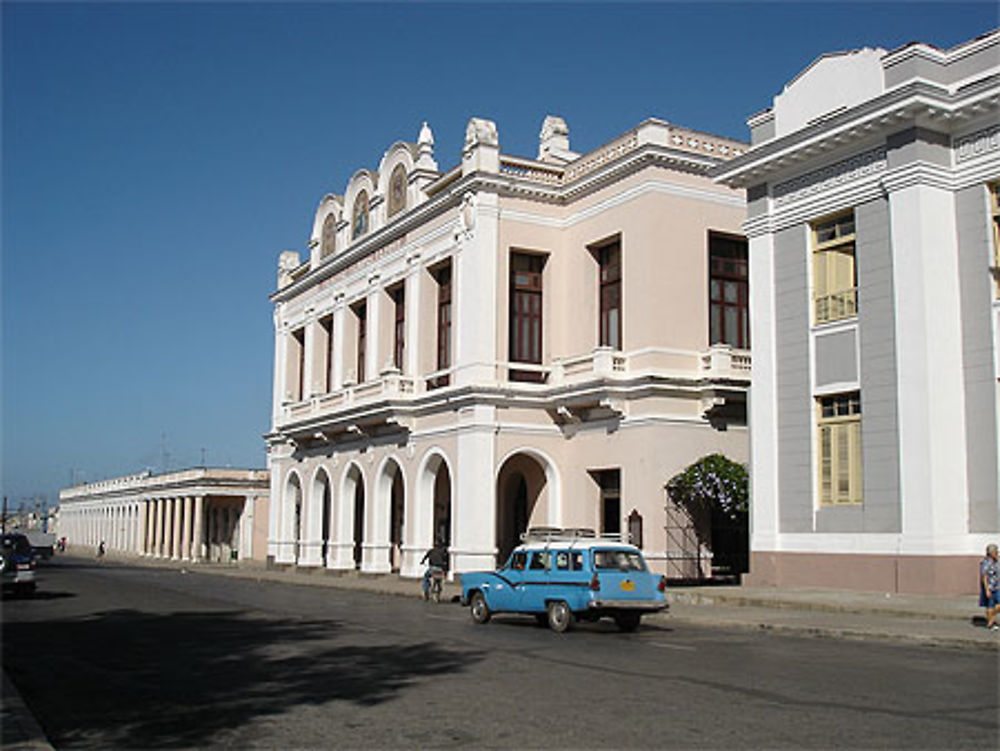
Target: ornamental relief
(846, 171)
(977, 144)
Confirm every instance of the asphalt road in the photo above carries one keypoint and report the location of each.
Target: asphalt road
(110, 656)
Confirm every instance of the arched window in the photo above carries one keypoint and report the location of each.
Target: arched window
(360, 224)
(397, 190)
(328, 242)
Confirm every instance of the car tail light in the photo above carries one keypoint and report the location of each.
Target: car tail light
(662, 586)
(595, 584)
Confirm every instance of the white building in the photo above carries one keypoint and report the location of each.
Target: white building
(192, 515)
(872, 189)
(511, 342)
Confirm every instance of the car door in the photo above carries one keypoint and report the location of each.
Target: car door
(507, 585)
(536, 582)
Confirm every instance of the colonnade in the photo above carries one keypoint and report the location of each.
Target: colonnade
(189, 528)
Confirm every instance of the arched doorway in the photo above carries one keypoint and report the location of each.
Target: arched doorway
(522, 489)
(430, 514)
(359, 522)
(293, 520)
(442, 506)
(392, 496)
(321, 509)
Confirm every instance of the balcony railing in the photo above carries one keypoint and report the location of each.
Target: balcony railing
(719, 361)
(837, 305)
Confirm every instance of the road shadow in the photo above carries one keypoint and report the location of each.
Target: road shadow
(127, 679)
(38, 594)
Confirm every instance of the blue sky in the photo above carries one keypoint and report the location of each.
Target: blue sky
(158, 157)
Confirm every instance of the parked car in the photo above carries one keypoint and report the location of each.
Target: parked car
(561, 576)
(17, 563)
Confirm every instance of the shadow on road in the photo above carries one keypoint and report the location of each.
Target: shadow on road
(127, 679)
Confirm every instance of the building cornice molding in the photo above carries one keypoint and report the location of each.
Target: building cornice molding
(508, 185)
(905, 106)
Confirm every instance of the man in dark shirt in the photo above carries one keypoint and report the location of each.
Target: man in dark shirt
(435, 558)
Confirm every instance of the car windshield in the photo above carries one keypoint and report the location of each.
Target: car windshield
(17, 543)
(621, 560)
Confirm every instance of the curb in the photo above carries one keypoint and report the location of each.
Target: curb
(844, 633)
(21, 731)
(697, 598)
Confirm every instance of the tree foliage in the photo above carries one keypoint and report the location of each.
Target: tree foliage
(714, 483)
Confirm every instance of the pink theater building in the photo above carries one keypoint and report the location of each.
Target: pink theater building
(508, 342)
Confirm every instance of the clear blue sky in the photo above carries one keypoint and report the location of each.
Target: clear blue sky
(156, 159)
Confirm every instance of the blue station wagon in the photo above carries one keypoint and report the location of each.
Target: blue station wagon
(561, 576)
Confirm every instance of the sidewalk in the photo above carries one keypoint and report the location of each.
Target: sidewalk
(952, 621)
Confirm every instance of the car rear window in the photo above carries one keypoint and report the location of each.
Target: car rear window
(17, 543)
(618, 560)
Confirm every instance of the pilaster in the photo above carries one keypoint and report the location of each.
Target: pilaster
(928, 330)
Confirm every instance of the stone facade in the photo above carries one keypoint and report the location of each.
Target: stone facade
(516, 342)
(872, 195)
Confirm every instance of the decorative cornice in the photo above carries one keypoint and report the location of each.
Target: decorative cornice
(977, 144)
(833, 176)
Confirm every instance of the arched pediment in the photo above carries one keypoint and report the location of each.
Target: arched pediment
(328, 215)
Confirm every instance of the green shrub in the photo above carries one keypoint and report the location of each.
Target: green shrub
(714, 483)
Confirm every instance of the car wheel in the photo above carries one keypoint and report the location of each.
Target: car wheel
(560, 616)
(628, 621)
(478, 608)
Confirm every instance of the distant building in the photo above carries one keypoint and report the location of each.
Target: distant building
(193, 514)
(512, 342)
(872, 189)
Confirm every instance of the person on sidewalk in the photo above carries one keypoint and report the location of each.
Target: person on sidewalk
(989, 586)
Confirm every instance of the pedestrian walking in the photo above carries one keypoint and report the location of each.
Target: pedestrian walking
(989, 586)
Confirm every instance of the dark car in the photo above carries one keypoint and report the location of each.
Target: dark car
(17, 563)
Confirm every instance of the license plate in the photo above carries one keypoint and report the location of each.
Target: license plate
(628, 586)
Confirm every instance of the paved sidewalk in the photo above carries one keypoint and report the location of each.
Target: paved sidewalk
(952, 621)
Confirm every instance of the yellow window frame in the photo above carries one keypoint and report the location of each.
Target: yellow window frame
(834, 260)
(840, 464)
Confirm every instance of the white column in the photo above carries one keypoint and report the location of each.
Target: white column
(376, 547)
(474, 296)
(373, 339)
(158, 532)
(928, 330)
(178, 527)
(414, 283)
(473, 505)
(280, 370)
(339, 313)
(763, 398)
(198, 544)
(186, 531)
(311, 544)
(309, 386)
(246, 535)
(168, 527)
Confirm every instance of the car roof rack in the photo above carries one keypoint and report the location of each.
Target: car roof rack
(568, 534)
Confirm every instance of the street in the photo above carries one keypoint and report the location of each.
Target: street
(114, 656)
